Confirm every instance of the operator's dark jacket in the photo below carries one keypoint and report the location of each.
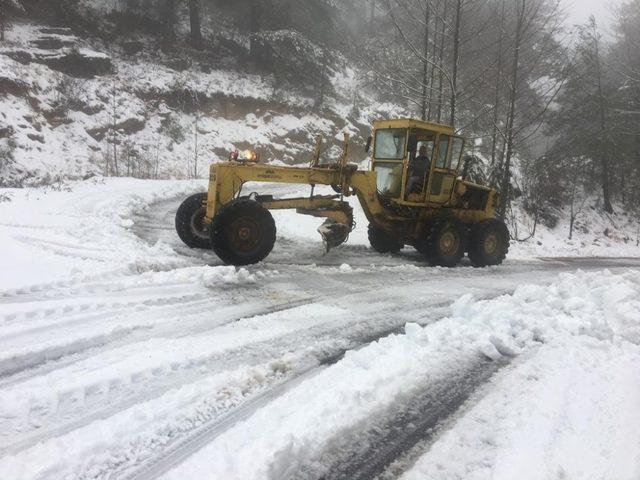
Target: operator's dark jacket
(419, 166)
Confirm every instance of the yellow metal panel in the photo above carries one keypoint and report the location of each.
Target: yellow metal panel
(412, 123)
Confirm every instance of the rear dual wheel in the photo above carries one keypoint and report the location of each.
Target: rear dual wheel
(489, 243)
(445, 240)
(443, 243)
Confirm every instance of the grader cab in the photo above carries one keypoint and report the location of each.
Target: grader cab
(412, 195)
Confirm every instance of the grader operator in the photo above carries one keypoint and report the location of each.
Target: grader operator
(413, 194)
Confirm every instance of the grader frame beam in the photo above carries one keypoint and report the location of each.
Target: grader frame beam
(226, 180)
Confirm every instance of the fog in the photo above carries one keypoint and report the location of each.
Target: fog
(578, 11)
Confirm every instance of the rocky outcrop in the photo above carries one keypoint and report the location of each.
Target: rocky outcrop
(10, 86)
(79, 63)
(60, 50)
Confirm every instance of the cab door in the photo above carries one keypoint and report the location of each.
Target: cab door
(444, 169)
(389, 158)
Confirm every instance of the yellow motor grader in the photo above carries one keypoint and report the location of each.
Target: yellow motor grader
(414, 194)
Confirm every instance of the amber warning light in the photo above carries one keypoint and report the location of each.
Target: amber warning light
(244, 156)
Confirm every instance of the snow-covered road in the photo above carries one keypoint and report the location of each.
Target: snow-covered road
(124, 354)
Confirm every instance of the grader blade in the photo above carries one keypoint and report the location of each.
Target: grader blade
(333, 233)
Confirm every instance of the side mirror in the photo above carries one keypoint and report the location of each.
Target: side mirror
(368, 145)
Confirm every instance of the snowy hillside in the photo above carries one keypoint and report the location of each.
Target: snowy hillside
(595, 233)
(66, 103)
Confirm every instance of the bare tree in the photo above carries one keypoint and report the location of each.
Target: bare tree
(114, 114)
(498, 85)
(513, 97)
(195, 24)
(425, 63)
(3, 18)
(434, 55)
(169, 22)
(576, 197)
(456, 58)
(441, 59)
(196, 119)
(602, 111)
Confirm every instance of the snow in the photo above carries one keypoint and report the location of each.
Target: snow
(568, 412)
(596, 233)
(118, 343)
(86, 229)
(585, 350)
(238, 110)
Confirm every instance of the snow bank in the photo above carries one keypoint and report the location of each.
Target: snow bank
(569, 410)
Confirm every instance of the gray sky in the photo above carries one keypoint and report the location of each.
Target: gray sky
(580, 10)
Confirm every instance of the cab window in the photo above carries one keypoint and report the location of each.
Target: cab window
(456, 152)
(389, 178)
(390, 143)
(443, 147)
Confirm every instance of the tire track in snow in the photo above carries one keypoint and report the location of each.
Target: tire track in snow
(183, 306)
(42, 434)
(83, 316)
(184, 448)
(223, 359)
(55, 289)
(188, 445)
(367, 453)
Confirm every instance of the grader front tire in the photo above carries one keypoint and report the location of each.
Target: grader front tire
(489, 243)
(444, 242)
(243, 232)
(190, 224)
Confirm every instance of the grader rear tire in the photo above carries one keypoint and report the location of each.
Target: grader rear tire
(243, 232)
(444, 242)
(382, 242)
(489, 243)
(190, 222)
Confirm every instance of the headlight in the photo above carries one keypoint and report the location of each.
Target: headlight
(244, 156)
